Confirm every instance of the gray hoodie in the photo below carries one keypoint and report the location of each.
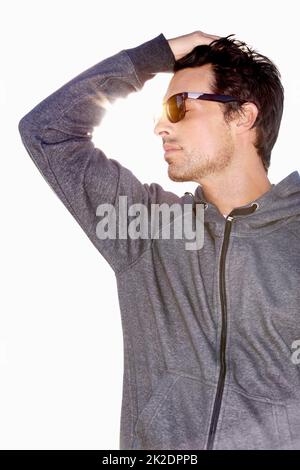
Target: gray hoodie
(211, 336)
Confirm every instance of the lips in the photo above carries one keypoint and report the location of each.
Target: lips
(170, 147)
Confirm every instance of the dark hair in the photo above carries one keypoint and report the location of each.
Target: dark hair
(244, 73)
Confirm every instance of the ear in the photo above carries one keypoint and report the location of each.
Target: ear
(246, 117)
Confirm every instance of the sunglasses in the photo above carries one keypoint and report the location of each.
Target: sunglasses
(175, 105)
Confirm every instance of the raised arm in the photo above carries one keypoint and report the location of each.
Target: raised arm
(57, 134)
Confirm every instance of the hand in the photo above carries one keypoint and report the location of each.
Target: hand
(182, 45)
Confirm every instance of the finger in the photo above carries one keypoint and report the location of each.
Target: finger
(214, 36)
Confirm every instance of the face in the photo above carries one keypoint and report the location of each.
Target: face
(205, 140)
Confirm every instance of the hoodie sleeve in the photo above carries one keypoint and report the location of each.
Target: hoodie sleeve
(57, 135)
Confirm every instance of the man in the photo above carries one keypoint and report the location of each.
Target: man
(211, 336)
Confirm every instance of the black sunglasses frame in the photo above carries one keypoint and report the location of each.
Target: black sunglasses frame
(175, 105)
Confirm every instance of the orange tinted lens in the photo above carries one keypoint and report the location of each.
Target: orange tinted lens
(175, 108)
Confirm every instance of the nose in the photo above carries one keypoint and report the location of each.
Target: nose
(161, 123)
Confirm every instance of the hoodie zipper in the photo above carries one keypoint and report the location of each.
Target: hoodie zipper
(220, 387)
(240, 211)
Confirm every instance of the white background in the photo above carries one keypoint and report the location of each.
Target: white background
(61, 344)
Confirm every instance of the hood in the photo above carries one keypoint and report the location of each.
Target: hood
(276, 206)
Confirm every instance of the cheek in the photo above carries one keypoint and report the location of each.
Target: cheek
(202, 135)
(203, 131)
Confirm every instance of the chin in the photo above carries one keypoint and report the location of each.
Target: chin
(177, 177)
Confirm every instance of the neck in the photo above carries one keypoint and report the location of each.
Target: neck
(235, 187)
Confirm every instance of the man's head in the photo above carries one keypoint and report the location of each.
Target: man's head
(213, 136)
